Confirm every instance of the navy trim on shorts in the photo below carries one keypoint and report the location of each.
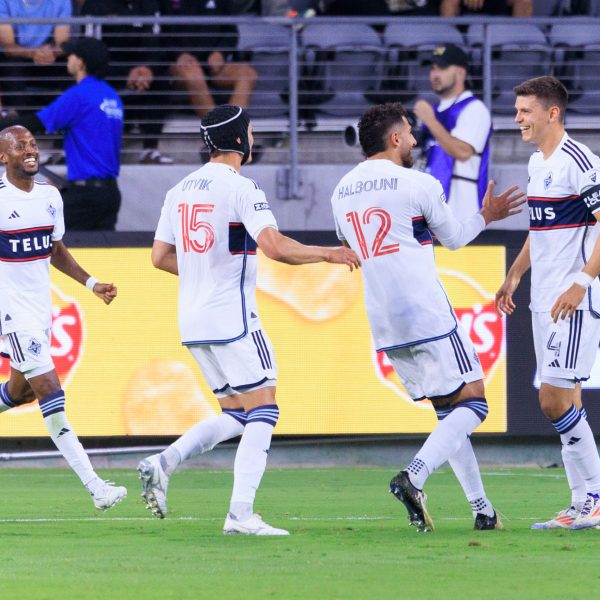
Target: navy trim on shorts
(248, 385)
(575, 326)
(16, 347)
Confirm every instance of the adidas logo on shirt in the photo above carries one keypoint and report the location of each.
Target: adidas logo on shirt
(14, 215)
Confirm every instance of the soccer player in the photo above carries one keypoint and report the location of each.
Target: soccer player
(564, 255)
(385, 211)
(31, 231)
(208, 232)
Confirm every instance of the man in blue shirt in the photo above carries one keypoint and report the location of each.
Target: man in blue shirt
(90, 114)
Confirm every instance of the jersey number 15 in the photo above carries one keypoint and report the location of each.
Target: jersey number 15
(378, 248)
(191, 221)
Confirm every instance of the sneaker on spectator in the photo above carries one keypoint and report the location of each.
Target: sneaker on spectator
(154, 157)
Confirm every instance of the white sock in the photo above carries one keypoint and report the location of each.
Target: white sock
(465, 467)
(576, 481)
(580, 448)
(63, 436)
(443, 442)
(203, 437)
(251, 458)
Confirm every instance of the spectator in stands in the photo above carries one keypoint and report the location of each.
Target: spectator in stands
(137, 70)
(516, 8)
(91, 115)
(377, 7)
(457, 132)
(30, 51)
(205, 55)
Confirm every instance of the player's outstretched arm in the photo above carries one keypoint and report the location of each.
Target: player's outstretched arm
(281, 248)
(164, 257)
(566, 304)
(63, 260)
(506, 204)
(504, 296)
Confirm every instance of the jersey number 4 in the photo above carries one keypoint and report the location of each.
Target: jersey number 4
(191, 222)
(378, 248)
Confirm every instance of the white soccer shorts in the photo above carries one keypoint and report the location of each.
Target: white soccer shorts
(565, 351)
(439, 368)
(237, 367)
(29, 352)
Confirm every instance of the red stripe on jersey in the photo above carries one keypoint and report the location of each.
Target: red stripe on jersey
(544, 199)
(25, 259)
(562, 226)
(43, 228)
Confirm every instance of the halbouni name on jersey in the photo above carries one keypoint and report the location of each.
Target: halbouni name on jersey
(370, 185)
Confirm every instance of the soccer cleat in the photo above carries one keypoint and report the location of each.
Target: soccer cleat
(563, 520)
(154, 485)
(590, 513)
(108, 495)
(485, 522)
(413, 499)
(253, 525)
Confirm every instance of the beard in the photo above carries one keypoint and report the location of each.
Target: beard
(407, 160)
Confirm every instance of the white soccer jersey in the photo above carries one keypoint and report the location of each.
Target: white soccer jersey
(385, 213)
(213, 217)
(29, 223)
(562, 224)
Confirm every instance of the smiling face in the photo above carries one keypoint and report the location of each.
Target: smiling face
(19, 153)
(535, 121)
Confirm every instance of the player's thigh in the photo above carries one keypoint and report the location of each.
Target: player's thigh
(565, 350)
(29, 352)
(239, 367)
(32, 368)
(439, 369)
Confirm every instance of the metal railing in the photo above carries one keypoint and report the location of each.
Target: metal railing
(319, 74)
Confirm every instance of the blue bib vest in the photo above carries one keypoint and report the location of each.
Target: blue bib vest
(441, 165)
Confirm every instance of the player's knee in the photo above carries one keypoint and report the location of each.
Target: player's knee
(24, 395)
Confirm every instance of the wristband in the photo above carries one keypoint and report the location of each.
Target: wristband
(91, 282)
(583, 279)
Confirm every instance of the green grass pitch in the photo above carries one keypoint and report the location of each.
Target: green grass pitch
(350, 539)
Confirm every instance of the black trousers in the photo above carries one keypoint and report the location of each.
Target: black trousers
(92, 206)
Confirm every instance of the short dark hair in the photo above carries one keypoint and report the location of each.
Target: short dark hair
(548, 90)
(375, 124)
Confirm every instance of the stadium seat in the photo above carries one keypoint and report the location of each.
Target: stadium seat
(267, 48)
(576, 52)
(341, 64)
(519, 52)
(407, 45)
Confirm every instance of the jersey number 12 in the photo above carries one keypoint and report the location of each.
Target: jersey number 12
(378, 248)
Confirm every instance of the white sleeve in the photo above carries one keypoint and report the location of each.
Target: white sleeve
(59, 219)
(254, 211)
(441, 221)
(164, 229)
(473, 125)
